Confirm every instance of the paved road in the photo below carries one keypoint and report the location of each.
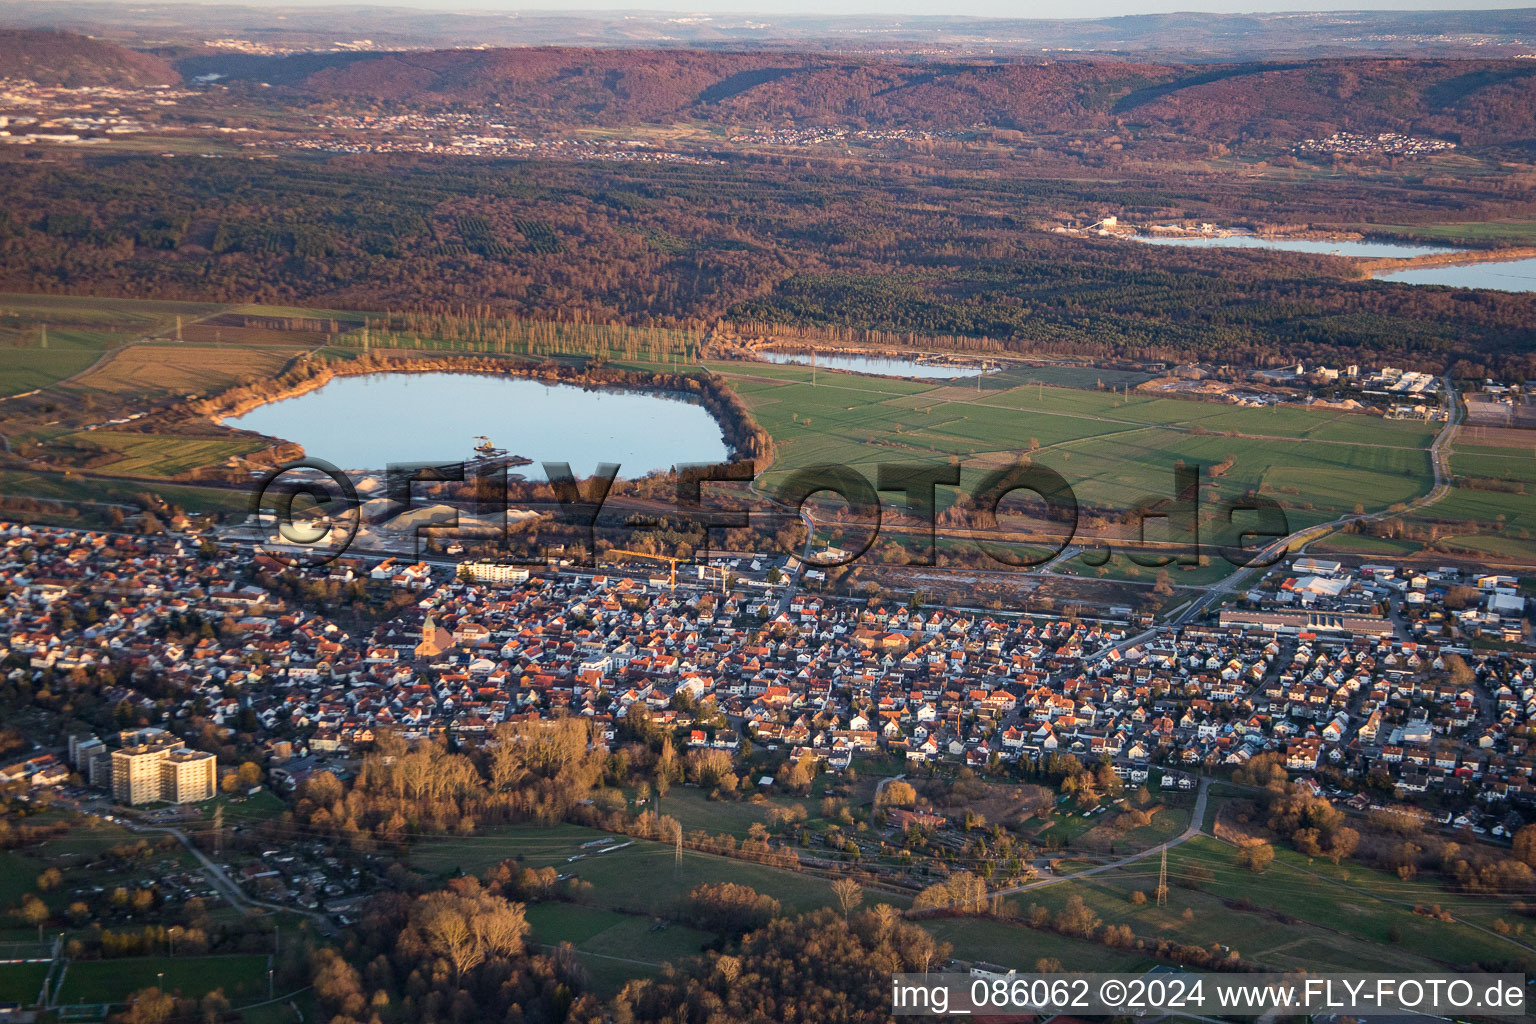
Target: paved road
(1196, 819)
(793, 583)
(227, 886)
(881, 787)
(1439, 456)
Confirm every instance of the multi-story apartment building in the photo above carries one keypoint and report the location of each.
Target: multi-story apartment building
(161, 768)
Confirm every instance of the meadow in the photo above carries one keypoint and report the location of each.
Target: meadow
(1504, 519)
(162, 369)
(1516, 232)
(1113, 449)
(614, 930)
(615, 947)
(1293, 915)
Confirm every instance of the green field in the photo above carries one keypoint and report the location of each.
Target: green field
(1292, 918)
(1019, 947)
(243, 978)
(1505, 519)
(20, 983)
(1518, 232)
(1113, 450)
(79, 330)
(154, 455)
(615, 947)
(1363, 544)
(536, 845)
(1122, 568)
(639, 878)
(75, 488)
(694, 810)
(24, 369)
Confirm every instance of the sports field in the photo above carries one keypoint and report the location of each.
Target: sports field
(242, 977)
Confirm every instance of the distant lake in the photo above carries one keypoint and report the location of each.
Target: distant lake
(367, 422)
(1509, 276)
(1323, 246)
(878, 366)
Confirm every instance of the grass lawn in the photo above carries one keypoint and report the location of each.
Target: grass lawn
(615, 947)
(243, 978)
(693, 809)
(643, 879)
(1519, 549)
(26, 369)
(282, 1013)
(1122, 568)
(1363, 544)
(18, 876)
(638, 878)
(263, 806)
(74, 488)
(79, 330)
(1506, 519)
(537, 845)
(180, 369)
(20, 983)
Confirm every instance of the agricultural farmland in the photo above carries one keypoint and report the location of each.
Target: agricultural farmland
(1112, 449)
(1114, 446)
(50, 338)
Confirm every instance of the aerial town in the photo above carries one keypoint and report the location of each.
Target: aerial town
(743, 517)
(1383, 144)
(1372, 683)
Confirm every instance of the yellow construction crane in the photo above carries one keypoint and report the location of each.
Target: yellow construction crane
(671, 565)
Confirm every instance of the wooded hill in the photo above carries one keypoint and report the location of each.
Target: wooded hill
(1476, 102)
(63, 58)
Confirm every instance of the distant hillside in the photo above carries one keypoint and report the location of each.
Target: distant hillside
(63, 58)
(1477, 102)
(1149, 37)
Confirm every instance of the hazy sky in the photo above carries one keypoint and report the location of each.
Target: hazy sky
(988, 8)
(978, 8)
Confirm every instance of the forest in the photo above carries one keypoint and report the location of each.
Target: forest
(915, 250)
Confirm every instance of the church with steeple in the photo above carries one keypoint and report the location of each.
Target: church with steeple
(434, 640)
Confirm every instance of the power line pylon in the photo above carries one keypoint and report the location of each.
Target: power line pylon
(1162, 879)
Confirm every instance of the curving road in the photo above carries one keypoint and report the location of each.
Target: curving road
(1196, 819)
(1439, 457)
